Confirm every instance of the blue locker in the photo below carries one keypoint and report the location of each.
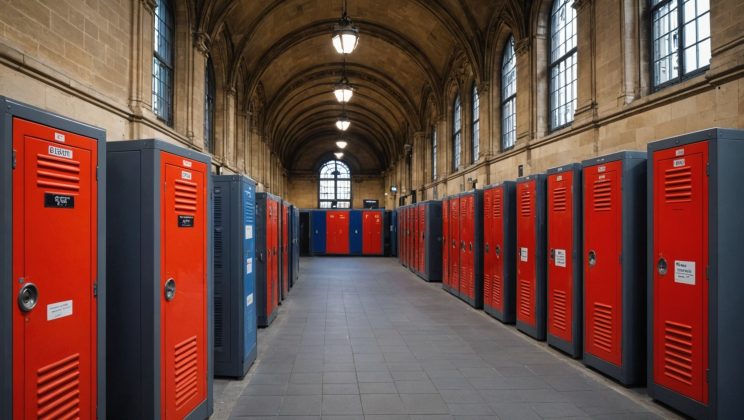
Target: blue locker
(234, 275)
(355, 232)
(318, 232)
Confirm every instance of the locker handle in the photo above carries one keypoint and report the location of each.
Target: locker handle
(261, 256)
(28, 297)
(487, 248)
(662, 266)
(170, 289)
(552, 253)
(592, 258)
(462, 245)
(497, 250)
(470, 246)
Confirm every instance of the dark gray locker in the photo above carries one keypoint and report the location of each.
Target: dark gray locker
(432, 236)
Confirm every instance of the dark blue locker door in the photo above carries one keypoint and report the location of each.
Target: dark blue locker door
(318, 234)
(355, 232)
(249, 279)
(394, 233)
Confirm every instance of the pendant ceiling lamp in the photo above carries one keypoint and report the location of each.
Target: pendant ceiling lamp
(339, 155)
(345, 35)
(343, 122)
(343, 90)
(341, 144)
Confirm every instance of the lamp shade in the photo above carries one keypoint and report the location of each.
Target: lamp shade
(345, 36)
(339, 155)
(341, 144)
(343, 91)
(343, 123)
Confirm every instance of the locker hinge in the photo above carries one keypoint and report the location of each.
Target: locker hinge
(14, 159)
(707, 168)
(95, 289)
(96, 173)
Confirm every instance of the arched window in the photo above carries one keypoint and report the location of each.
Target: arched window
(508, 97)
(162, 62)
(456, 132)
(434, 153)
(210, 91)
(680, 39)
(334, 191)
(475, 132)
(562, 64)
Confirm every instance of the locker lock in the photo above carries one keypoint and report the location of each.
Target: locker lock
(170, 289)
(487, 247)
(592, 258)
(662, 266)
(552, 253)
(28, 297)
(497, 250)
(470, 246)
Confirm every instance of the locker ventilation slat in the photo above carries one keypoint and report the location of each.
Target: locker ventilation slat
(219, 273)
(602, 195)
(678, 184)
(602, 332)
(185, 196)
(678, 351)
(559, 199)
(497, 205)
(525, 298)
(525, 205)
(58, 389)
(497, 290)
(559, 309)
(186, 355)
(57, 173)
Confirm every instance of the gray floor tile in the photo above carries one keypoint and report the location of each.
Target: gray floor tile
(301, 405)
(339, 378)
(258, 405)
(415, 387)
(374, 376)
(341, 405)
(377, 388)
(470, 409)
(424, 404)
(305, 389)
(382, 404)
(340, 389)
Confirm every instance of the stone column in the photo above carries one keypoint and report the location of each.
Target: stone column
(586, 92)
(487, 148)
(527, 92)
(195, 121)
(227, 139)
(140, 90)
(417, 160)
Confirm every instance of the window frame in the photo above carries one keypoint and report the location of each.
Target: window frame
(681, 76)
(558, 61)
(474, 123)
(508, 46)
(210, 101)
(164, 64)
(335, 180)
(456, 133)
(434, 146)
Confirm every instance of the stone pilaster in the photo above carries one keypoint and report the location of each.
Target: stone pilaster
(586, 92)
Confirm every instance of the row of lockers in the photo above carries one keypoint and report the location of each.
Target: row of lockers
(129, 274)
(347, 232)
(627, 263)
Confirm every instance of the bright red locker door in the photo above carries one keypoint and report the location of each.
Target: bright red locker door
(55, 249)
(680, 318)
(271, 263)
(602, 266)
(560, 248)
(464, 238)
(275, 231)
(183, 307)
(526, 274)
(377, 233)
(414, 238)
(467, 264)
(497, 233)
(445, 243)
(343, 232)
(421, 238)
(455, 232)
(487, 247)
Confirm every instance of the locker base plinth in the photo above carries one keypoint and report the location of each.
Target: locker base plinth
(474, 302)
(450, 290)
(430, 279)
(679, 402)
(264, 321)
(201, 412)
(235, 370)
(504, 317)
(571, 348)
(537, 332)
(623, 374)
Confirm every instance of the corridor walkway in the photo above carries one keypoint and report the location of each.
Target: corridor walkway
(363, 338)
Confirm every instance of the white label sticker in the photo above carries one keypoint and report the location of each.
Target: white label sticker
(249, 266)
(60, 152)
(59, 310)
(249, 300)
(59, 137)
(186, 175)
(523, 254)
(559, 178)
(560, 257)
(187, 163)
(248, 231)
(601, 168)
(679, 162)
(684, 272)
(679, 152)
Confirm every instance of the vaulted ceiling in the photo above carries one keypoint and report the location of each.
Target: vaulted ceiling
(405, 54)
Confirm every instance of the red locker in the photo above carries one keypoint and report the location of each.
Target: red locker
(56, 238)
(530, 256)
(274, 220)
(409, 236)
(285, 249)
(445, 244)
(564, 262)
(694, 284)
(414, 238)
(499, 242)
(614, 252)
(372, 232)
(337, 232)
(454, 249)
(471, 238)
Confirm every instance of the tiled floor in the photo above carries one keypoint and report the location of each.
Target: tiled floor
(363, 338)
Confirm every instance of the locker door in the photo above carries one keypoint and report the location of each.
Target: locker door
(249, 274)
(343, 232)
(372, 227)
(285, 249)
(560, 250)
(377, 232)
(275, 246)
(319, 232)
(445, 243)
(487, 244)
(455, 232)
(356, 232)
(680, 296)
(270, 258)
(526, 274)
(421, 238)
(331, 242)
(497, 269)
(55, 253)
(466, 252)
(183, 286)
(602, 266)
